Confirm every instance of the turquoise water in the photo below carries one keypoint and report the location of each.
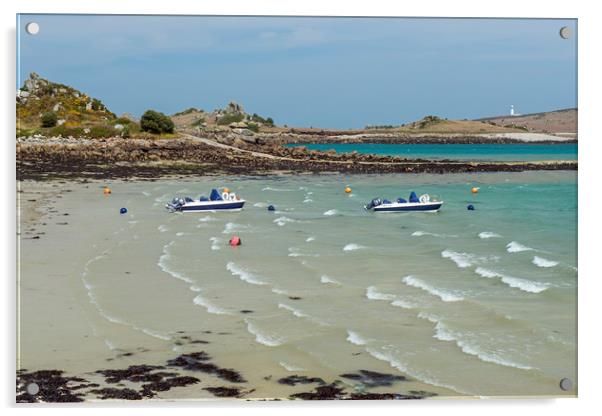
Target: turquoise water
(503, 152)
(479, 302)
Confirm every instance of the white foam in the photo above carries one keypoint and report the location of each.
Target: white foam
(444, 333)
(331, 212)
(163, 263)
(214, 243)
(279, 291)
(262, 338)
(310, 239)
(109, 345)
(356, 338)
(403, 304)
(515, 282)
(443, 295)
(307, 200)
(269, 188)
(260, 204)
(233, 227)
(282, 221)
(423, 376)
(353, 247)
(329, 280)
(294, 311)
(179, 234)
(423, 233)
(464, 260)
(244, 274)
(514, 247)
(201, 301)
(290, 367)
(373, 294)
(541, 262)
(488, 234)
(294, 252)
(207, 218)
(163, 228)
(145, 193)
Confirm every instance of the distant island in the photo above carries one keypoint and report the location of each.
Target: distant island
(63, 132)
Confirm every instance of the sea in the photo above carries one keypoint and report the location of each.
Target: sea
(477, 302)
(477, 152)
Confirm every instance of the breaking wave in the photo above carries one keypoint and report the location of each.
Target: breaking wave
(464, 260)
(329, 280)
(443, 295)
(356, 338)
(541, 262)
(201, 301)
(243, 274)
(353, 247)
(373, 294)
(488, 234)
(514, 247)
(331, 212)
(515, 282)
(163, 264)
(262, 338)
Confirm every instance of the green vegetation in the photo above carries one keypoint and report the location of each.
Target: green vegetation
(226, 119)
(49, 119)
(266, 121)
(428, 121)
(187, 111)
(253, 127)
(156, 122)
(377, 127)
(198, 122)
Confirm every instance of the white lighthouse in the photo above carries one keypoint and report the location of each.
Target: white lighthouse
(512, 112)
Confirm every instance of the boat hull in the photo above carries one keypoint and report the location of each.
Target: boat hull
(409, 207)
(212, 206)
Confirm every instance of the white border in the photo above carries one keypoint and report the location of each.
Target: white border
(590, 288)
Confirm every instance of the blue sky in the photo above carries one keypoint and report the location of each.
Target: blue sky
(325, 72)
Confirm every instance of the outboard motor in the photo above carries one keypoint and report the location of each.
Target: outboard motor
(374, 203)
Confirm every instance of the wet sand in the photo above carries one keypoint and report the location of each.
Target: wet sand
(64, 227)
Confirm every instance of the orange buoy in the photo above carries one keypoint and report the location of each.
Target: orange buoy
(347, 190)
(106, 190)
(474, 190)
(235, 241)
(226, 190)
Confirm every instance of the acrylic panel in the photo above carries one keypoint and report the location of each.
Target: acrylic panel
(295, 208)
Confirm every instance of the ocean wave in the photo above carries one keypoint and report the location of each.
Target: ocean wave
(464, 260)
(233, 227)
(423, 233)
(403, 304)
(373, 294)
(163, 228)
(541, 262)
(145, 193)
(294, 252)
(514, 247)
(262, 338)
(353, 247)
(179, 234)
(443, 295)
(211, 308)
(307, 200)
(290, 367)
(329, 280)
(243, 274)
(356, 338)
(515, 282)
(282, 221)
(214, 243)
(424, 376)
(207, 218)
(269, 188)
(444, 333)
(331, 212)
(260, 204)
(164, 266)
(310, 239)
(488, 234)
(279, 291)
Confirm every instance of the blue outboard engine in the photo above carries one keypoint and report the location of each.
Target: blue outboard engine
(374, 203)
(386, 201)
(203, 198)
(413, 197)
(401, 200)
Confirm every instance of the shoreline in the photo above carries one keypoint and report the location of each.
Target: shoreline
(194, 155)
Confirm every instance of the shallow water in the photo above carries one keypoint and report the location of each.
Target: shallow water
(480, 302)
(477, 152)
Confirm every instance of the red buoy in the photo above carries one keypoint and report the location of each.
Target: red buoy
(235, 241)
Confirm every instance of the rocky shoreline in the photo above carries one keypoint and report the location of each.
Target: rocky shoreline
(39, 158)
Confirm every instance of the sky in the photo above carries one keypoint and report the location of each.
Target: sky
(308, 71)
